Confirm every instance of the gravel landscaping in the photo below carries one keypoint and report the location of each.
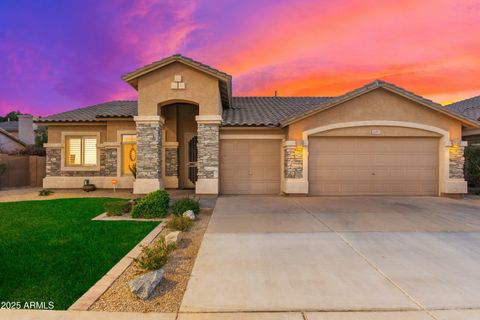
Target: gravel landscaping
(168, 295)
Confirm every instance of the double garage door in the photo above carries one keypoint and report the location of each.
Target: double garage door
(373, 166)
(336, 166)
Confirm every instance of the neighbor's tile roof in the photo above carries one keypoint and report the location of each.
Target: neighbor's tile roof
(9, 125)
(111, 109)
(469, 107)
(267, 111)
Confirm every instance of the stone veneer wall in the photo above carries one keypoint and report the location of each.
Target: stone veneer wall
(107, 167)
(457, 161)
(293, 163)
(208, 150)
(149, 151)
(171, 162)
(111, 162)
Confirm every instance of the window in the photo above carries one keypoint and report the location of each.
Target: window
(129, 153)
(81, 151)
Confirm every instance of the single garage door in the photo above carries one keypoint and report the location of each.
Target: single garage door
(373, 166)
(250, 166)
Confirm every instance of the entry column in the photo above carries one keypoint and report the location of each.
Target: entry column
(149, 154)
(208, 148)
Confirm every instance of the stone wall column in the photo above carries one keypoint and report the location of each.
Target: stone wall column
(111, 154)
(457, 161)
(454, 182)
(294, 158)
(171, 164)
(149, 154)
(208, 147)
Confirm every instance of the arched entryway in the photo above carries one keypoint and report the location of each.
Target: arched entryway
(180, 144)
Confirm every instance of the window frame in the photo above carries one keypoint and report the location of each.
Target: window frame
(65, 165)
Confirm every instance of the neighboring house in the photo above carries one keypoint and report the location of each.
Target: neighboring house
(188, 131)
(24, 129)
(10, 144)
(469, 108)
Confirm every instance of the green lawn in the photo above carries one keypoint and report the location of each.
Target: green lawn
(51, 250)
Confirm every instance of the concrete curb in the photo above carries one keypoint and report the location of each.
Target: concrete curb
(99, 288)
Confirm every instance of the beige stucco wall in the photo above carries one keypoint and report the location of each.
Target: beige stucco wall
(114, 126)
(55, 131)
(385, 131)
(379, 104)
(155, 88)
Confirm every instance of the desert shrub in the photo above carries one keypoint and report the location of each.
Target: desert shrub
(45, 192)
(155, 257)
(117, 208)
(185, 204)
(472, 165)
(179, 223)
(153, 205)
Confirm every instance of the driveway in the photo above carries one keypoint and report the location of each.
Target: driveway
(410, 257)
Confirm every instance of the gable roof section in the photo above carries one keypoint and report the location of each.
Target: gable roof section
(469, 108)
(267, 111)
(111, 109)
(387, 86)
(12, 137)
(225, 80)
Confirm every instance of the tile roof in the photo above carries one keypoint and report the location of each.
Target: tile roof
(111, 109)
(469, 107)
(267, 111)
(9, 125)
(12, 137)
(254, 111)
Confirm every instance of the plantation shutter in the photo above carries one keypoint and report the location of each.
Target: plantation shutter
(74, 151)
(90, 151)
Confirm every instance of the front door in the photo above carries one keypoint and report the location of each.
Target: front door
(190, 160)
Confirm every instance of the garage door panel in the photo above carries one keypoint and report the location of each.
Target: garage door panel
(384, 166)
(250, 166)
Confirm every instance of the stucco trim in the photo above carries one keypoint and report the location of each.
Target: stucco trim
(209, 119)
(149, 119)
(251, 136)
(444, 182)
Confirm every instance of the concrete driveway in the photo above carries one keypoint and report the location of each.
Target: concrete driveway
(403, 257)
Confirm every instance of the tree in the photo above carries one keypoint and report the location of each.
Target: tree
(11, 116)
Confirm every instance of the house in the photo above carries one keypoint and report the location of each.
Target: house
(187, 131)
(10, 144)
(24, 129)
(469, 108)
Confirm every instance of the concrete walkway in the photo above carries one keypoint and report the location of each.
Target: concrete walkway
(385, 257)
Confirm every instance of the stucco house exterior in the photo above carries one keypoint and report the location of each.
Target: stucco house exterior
(187, 131)
(469, 108)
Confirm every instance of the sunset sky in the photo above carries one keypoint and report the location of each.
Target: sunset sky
(63, 54)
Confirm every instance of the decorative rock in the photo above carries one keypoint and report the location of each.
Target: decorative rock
(172, 237)
(189, 214)
(144, 285)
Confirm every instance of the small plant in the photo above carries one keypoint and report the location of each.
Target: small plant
(133, 170)
(184, 204)
(153, 205)
(117, 208)
(179, 223)
(472, 165)
(45, 192)
(155, 257)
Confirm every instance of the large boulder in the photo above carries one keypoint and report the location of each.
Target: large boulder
(144, 285)
(189, 214)
(172, 237)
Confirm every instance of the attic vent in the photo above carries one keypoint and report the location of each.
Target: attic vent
(177, 83)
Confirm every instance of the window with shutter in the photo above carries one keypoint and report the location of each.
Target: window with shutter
(81, 151)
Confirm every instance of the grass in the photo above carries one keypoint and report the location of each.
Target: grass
(52, 251)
